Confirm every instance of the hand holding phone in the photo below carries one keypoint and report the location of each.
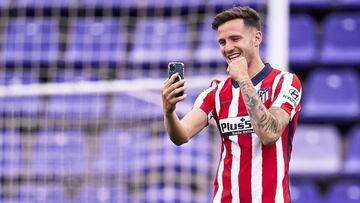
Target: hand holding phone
(176, 67)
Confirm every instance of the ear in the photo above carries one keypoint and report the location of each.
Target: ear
(258, 38)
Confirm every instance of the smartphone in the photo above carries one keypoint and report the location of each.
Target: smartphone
(176, 67)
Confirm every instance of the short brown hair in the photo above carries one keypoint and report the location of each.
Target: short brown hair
(250, 16)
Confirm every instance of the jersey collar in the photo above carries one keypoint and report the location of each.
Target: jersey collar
(258, 77)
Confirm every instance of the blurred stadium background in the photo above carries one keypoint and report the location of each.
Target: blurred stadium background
(80, 106)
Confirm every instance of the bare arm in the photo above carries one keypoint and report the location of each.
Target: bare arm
(268, 124)
(180, 131)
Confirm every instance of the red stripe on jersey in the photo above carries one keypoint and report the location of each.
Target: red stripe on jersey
(269, 172)
(245, 168)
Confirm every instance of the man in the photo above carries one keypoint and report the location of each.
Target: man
(256, 111)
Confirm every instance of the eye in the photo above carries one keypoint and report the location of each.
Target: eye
(222, 42)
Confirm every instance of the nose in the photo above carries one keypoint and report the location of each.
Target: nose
(229, 47)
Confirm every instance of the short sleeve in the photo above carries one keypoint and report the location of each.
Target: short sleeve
(206, 99)
(288, 94)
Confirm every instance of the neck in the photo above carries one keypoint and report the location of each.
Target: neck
(255, 67)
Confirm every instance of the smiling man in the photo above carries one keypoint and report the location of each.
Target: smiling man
(256, 110)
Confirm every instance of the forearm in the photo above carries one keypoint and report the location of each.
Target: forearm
(175, 129)
(265, 124)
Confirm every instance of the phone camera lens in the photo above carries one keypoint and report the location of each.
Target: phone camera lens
(172, 67)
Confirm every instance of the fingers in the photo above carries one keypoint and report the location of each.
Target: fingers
(169, 88)
(171, 80)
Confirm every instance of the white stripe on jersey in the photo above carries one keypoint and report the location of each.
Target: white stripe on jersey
(217, 197)
(200, 99)
(256, 169)
(275, 84)
(235, 168)
(217, 97)
(279, 196)
(288, 79)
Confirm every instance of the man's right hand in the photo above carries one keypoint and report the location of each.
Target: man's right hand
(169, 92)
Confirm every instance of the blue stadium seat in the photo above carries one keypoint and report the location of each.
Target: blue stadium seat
(40, 193)
(316, 151)
(20, 105)
(59, 153)
(11, 162)
(101, 193)
(160, 40)
(207, 48)
(231, 3)
(4, 3)
(341, 42)
(112, 3)
(96, 40)
(344, 191)
(301, 192)
(44, 3)
(311, 3)
(302, 39)
(352, 156)
(29, 40)
(331, 95)
(147, 106)
(86, 106)
(115, 150)
(349, 3)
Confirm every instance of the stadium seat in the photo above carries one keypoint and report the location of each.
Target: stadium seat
(331, 95)
(4, 3)
(30, 41)
(302, 39)
(231, 3)
(344, 191)
(301, 192)
(341, 42)
(112, 3)
(44, 3)
(160, 40)
(59, 153)
(349, 3)
(11, 162)
(316, 151)
(169, 3)
(144, 106)
(40, 193)
(115, 150)
(30, 105)
(352, 156)
(311, 3)
(96, 40)
(100, 193)
(207, 47)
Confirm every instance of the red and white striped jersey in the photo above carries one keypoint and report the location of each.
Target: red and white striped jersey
(248, 171)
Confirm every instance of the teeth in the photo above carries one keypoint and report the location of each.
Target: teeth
(233, 56)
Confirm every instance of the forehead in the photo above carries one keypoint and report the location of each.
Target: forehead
(231, 27)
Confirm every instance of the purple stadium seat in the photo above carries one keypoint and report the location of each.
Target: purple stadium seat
(344, 191)
(311, 3)
(302, 39)
(126, 107)
(341, 42)
(349, 3)
(4, 3)
(40, 193)
(100, 193)
(59, 153)
(207, 48)
(99, 40)
(11, 161)
(111, 3)
(230, 3)
(160, 40)
(301, 192)
(30, 40)
(170, 3)
(20, 105)
(316, 150)
(331, 95)
(352, 156)
(45, 3)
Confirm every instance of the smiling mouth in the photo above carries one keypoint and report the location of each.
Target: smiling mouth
(233, 56)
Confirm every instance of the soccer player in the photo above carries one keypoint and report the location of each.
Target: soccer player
(256, 111)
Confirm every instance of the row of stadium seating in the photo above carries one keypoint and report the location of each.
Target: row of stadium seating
(105, 40)
(166, 3)
(329, 95)
(317, 152)
(344, 191)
